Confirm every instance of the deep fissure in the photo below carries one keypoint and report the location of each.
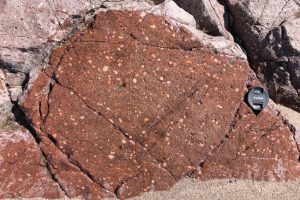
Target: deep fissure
(26, 123)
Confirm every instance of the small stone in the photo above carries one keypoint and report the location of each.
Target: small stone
(105, 68)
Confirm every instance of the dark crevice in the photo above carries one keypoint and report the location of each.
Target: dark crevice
(192, 174)
(293, 131)
(53, 177)
(22, 120)
(85, 171)
(8, 66)
(25, 82)
(117, 190)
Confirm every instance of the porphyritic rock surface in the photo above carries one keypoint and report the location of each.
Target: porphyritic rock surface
(29, 30)
(23, 171)
(133, 104)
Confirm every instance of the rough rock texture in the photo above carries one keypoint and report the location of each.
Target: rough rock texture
(135, 101)
(269, 31)
(32, 25)
(222, 44)
(36, 27)
(5, 102)
(23, 171)
(257, 147)
(210, 15)
(153, 107)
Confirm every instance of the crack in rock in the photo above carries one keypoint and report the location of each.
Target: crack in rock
(153, 107)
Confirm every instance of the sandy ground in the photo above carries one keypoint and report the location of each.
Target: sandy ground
(226, 189)
(188, 188)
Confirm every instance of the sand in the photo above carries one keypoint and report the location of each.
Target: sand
(227, 189)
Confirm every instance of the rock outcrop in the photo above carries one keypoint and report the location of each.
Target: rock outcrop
(5, 102)
(134, 97)
(269, 31)
(134, 103)
(41, 25)
(210, 15)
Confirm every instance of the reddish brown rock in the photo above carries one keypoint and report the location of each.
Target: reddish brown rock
(257, 147)
(23, 171)
(133, 104)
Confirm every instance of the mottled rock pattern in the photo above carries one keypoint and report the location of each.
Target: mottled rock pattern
(132, 104)
(36, 27)
(23, 171)
(269, 31)
(257, 147)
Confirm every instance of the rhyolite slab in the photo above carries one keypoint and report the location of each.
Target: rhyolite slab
(133, 103)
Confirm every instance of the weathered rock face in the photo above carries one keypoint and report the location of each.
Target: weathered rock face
(257, 147)
(23, 171)
(28, 27)
(5, 102)
(210, 15)
(133, 104)
(269, 30)
(35, 27)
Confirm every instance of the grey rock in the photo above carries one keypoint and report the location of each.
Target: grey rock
(15, 82)
(270, 32)
(5, 102)
(28, 28)
(210, 16)
(15, 79)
